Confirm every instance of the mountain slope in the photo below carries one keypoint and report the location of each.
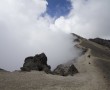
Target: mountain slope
(93, 67)
(98, 57)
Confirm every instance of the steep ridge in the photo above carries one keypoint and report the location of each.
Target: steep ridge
(101, 41)
(98, 56)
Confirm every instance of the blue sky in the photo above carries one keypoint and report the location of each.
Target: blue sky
(57, 8)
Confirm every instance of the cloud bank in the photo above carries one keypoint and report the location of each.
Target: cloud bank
(88, 18)
(24, 32)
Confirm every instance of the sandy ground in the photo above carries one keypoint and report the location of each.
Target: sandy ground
(93, 74)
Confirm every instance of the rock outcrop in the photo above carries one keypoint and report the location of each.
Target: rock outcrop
(64, 70)
(38, 63)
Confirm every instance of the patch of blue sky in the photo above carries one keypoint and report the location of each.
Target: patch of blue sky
(57, 8)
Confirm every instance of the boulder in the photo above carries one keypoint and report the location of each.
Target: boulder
(65, 70)
(37, 62)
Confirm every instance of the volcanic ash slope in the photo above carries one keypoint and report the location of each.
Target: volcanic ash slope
(93, 67)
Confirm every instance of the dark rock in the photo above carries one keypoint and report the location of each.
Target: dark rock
(89, 63)
(64, 70)
(89, 56)
(38, 62)
(72, 70)
(76, 40)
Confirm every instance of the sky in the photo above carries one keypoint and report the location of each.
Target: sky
(57, 8)
(28, 27)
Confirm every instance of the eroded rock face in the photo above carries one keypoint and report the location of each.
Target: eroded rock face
(64, 70)
(38, 62)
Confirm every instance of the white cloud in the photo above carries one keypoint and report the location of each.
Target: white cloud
(23, 32)
(88, 18)
(63, 24)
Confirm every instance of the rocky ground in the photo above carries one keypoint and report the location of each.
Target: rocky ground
(93, 67)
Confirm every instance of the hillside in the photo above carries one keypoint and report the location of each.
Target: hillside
(103, 42)
(93, 66)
